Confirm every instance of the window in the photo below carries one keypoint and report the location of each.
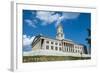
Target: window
(70, 49)
(56, 43)
(67, 49)
(56, 48)
(47, 47)
(51, 42)
(60, 48)
(76, 51)
(47, 41)
(59, 44)
(52, 47)
(73, 50)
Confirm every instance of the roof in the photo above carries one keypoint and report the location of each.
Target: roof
(40, 35)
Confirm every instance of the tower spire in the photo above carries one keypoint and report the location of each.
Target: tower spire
(59, 34)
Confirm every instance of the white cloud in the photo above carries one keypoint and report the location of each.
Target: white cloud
(70, 15)
(67, 15)
(47, 17)
(33, 12)
(30, 22)
(27, 40)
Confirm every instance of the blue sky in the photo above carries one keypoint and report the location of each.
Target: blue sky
(74, 24)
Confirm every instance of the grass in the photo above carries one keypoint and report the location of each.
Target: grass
(50, 58)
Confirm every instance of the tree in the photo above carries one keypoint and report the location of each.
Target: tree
(88, 39)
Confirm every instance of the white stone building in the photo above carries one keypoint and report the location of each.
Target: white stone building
(60, 46)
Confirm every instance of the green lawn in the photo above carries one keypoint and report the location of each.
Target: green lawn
(50, 58)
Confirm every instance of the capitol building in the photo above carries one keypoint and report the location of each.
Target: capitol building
(60, 46)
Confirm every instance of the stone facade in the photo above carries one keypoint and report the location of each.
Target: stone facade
(66, 46)
(59, 45)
